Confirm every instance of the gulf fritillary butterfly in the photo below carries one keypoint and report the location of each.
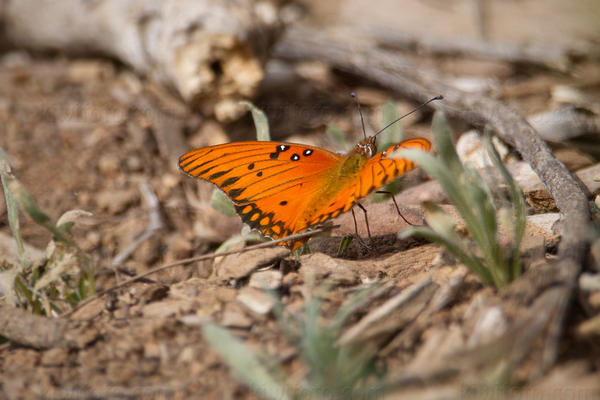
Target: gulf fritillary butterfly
(284, 188)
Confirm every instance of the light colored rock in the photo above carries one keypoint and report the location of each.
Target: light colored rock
(545, 222)
(270, 279)
(589, 282)
(54, 357)
(470, 149)
(166, 308)
(255, 300)
(490, 324)
(238, 266)
(194, 320)
(317, 266)
(234, 317)
(590, 177)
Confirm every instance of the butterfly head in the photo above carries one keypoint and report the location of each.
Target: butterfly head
(366, 147)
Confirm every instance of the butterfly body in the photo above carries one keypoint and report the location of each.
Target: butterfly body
(284, 188)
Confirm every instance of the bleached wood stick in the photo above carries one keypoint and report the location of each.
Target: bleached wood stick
(210, 51)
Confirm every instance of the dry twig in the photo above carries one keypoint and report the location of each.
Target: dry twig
(154, 224)
(194, 259)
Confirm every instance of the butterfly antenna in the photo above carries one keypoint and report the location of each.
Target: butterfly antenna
(440, 97)
(362, 121)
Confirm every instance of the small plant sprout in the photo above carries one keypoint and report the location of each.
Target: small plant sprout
(492, 251)
(65, 277)
(333, 370)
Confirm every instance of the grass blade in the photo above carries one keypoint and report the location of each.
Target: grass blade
(393, 134)
(261, 123)
(12, 209)
(245, 365)
(220, 202)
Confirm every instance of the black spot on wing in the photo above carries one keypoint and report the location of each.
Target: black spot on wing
(230, 181)
(218, 174)
(279, 149)
(235, 193)
(386, 178)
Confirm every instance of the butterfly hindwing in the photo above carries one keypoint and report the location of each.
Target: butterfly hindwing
(378, 171)
(383, 169)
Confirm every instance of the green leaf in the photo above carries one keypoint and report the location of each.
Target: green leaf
(442, 134)
(474, 201)
(242, 237)
(30, 206)
(392, 134)
(245, 365)
(220, 202)
(338, 136)
(469, 260)
(344, 244)
(261, 123)
(12, 209)
(518, 205)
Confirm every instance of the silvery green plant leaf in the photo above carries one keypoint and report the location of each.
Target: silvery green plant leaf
(12, 209)
(245, 236)
(338, 136)
(220, 202)
(244, 364)
(393, 134)
(261, 123)
(474, 201)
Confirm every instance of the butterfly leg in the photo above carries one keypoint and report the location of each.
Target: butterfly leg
(366, 220)
(395, 204)
(356, 227)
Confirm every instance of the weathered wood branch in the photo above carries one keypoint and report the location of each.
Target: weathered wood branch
(404, 77)
(545, 55)
(210, 51)
(24, 328)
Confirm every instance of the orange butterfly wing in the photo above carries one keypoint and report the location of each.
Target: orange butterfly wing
(269, 183)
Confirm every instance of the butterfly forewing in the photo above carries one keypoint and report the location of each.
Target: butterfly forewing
(268, 182)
